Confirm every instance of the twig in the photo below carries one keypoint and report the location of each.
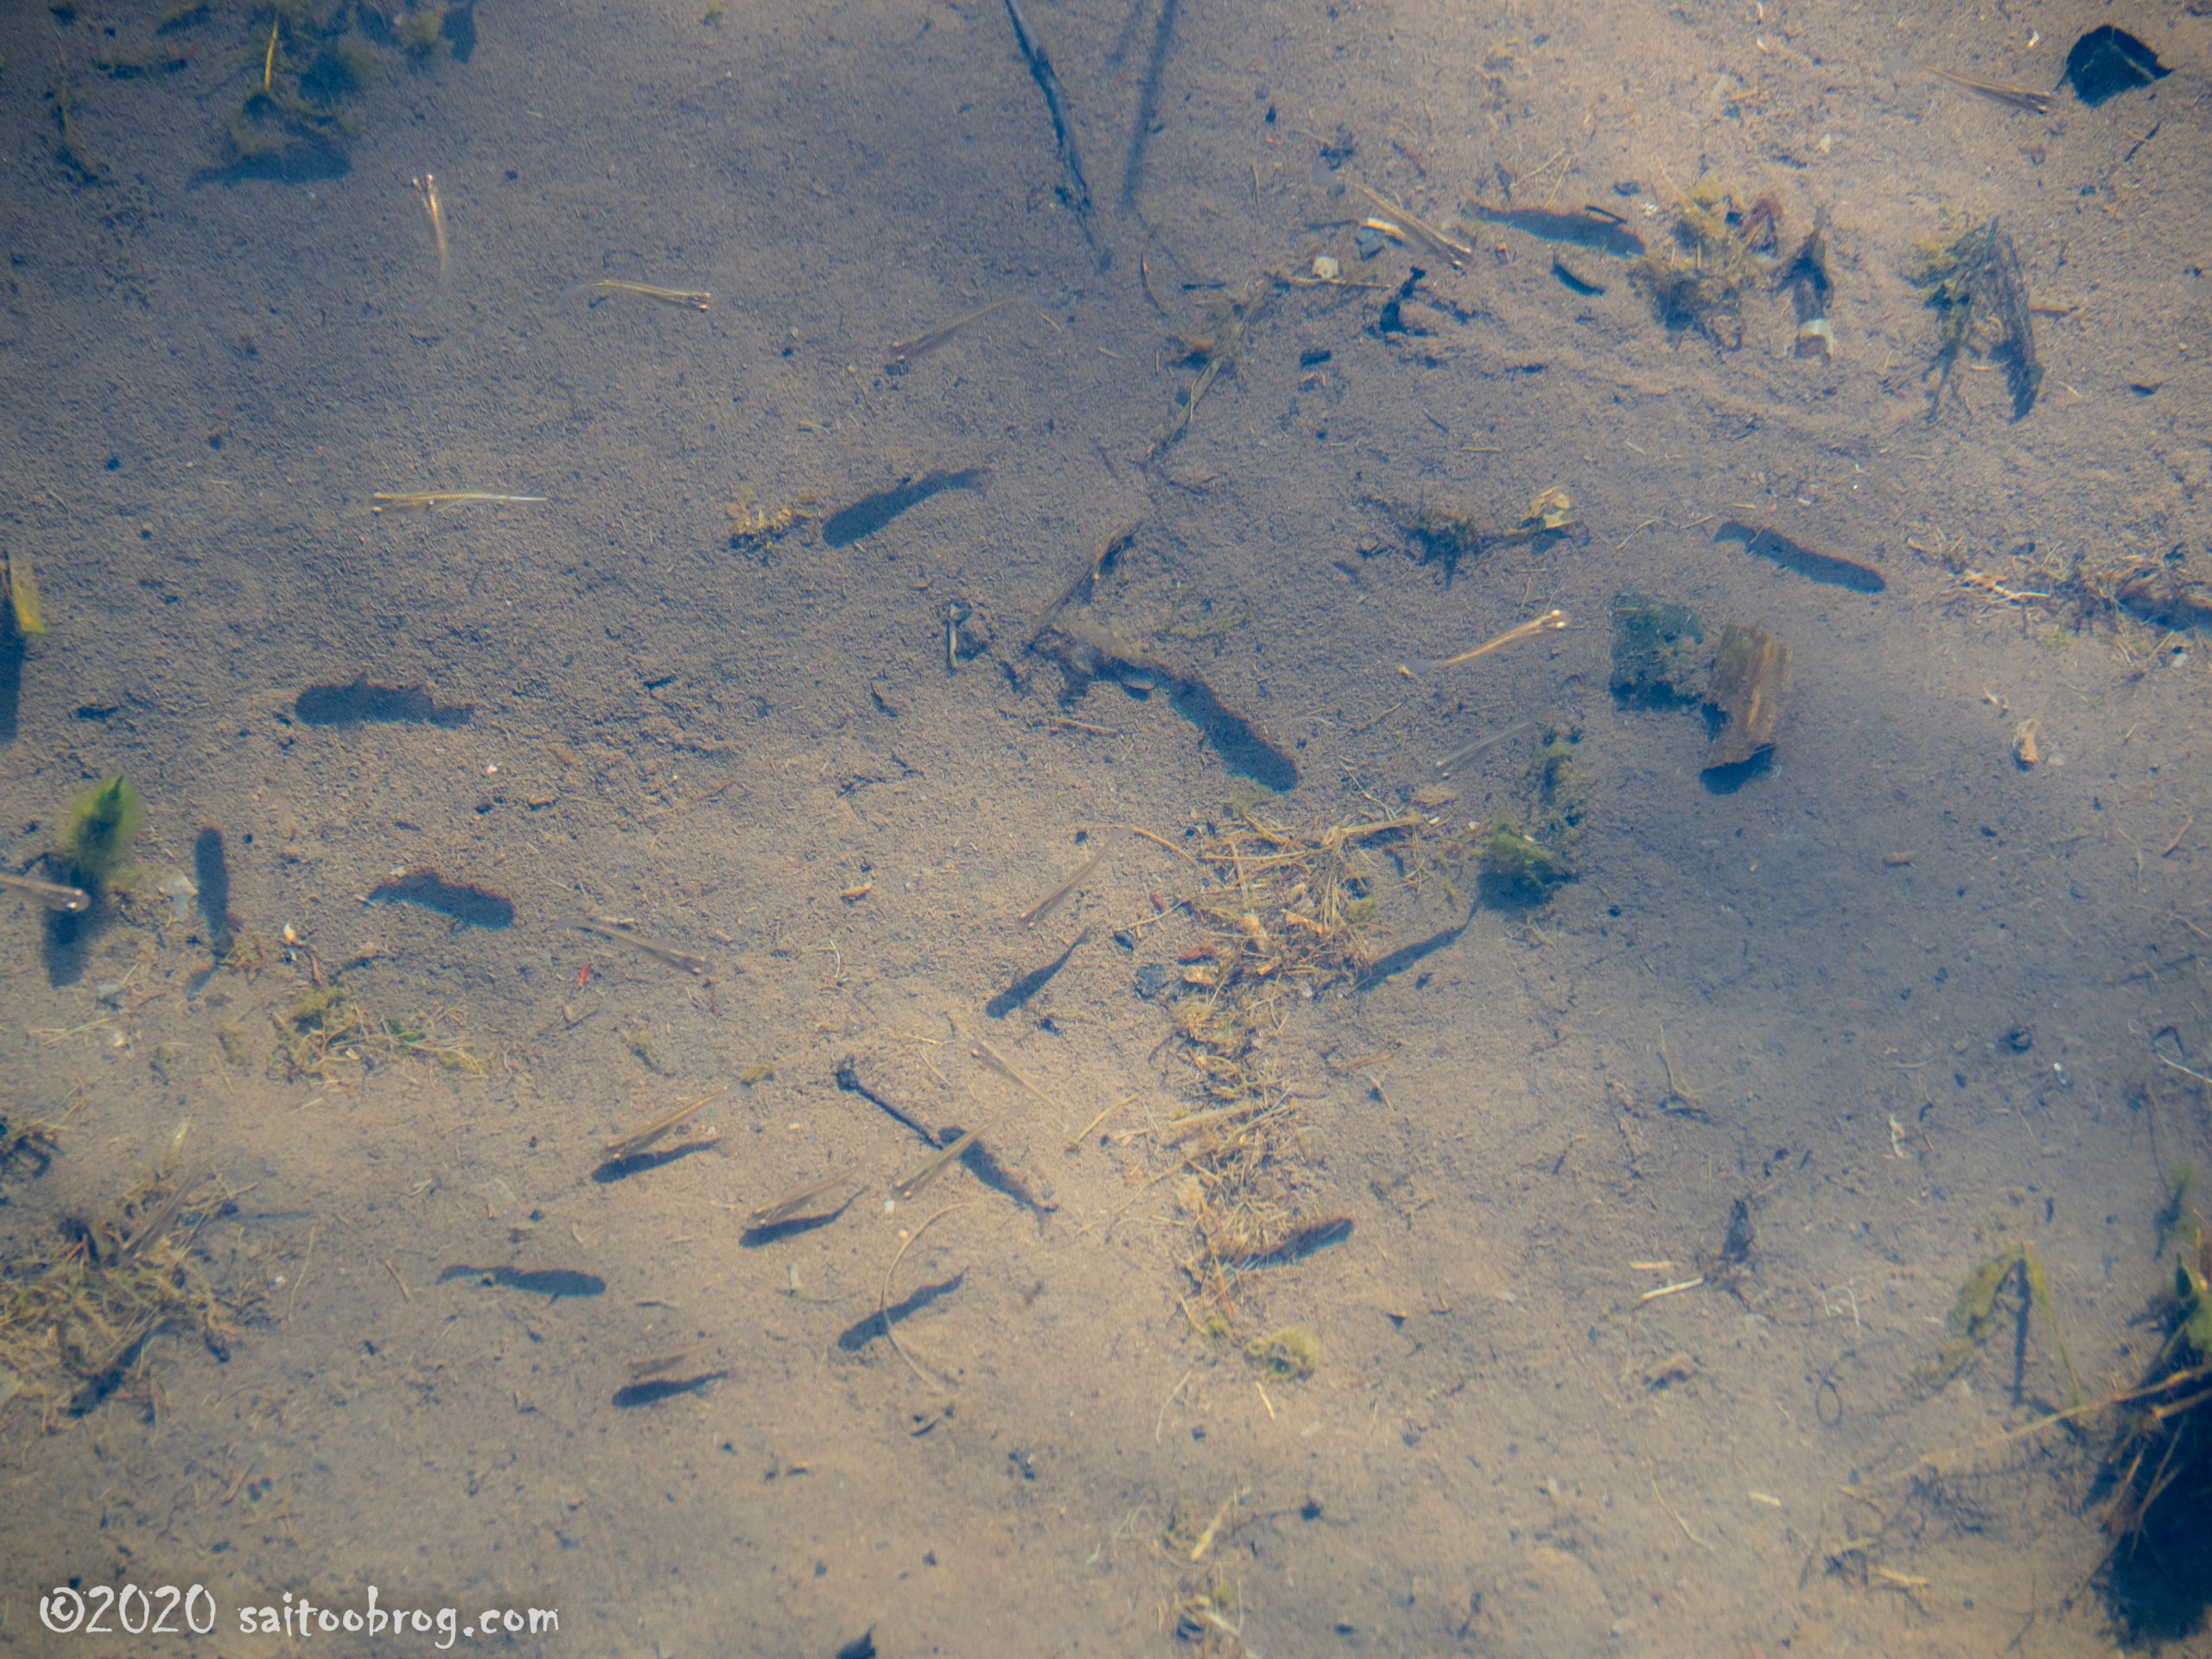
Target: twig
(1160, 1421)
(300, 1278)
(1048, 82)
(1675, 1090)
(883, 1296)
(1084, 1133)
(1679, 1522)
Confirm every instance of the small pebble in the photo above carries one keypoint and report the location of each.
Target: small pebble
(1369, 241)
(1327, 268)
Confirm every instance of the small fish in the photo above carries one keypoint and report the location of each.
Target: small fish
(538, 1282)
(1036, 913)
(660, 1389)
(657, 1364)
(631, 1145)
(54, 895)
(644, 947)
(779, 1210)
(21, 589)
(426, 187)
(1438, 242)
(689, 299)
(905, 351)
(2018, 97)
(1468, 753)
(999, 1063)
(934, 1165)
(872, 512)
(423, 500)
(1027, 985)
(1602, 232)
(1528, 630)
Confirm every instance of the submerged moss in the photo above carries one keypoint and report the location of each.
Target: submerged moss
(422, 31)
(1658, 651)
(1974, 1315)
(102, 824)
(1702, 280)
(1520, 862)
(1288, 1355)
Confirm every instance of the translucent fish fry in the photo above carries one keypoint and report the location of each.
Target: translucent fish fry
(423, 500)
(688, 299)
(1545, 623)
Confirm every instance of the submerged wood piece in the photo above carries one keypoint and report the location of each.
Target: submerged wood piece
(1750, 677)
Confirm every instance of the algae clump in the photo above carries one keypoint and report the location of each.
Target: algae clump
(1701, 282)
(1519, 860)
(1974, 1315)
(102, 824)
(1659, 659)
(1529, 862)
(1289, 1354)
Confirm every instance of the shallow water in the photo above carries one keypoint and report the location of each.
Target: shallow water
(1799, 1047)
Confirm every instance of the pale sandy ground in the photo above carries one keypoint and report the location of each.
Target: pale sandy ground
(209, 380)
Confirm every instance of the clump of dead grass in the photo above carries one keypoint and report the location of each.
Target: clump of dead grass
(77, 1314)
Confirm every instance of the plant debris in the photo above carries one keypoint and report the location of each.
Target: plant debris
(1444, 533)
(1973, 285)
(1719, 255)
(76, 1320)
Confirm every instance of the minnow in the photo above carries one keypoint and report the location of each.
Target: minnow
(934, 1166)
(1035, 913)
(631, 1145)
(2018, 97)
(54, 895)
(689, 299)
(1468, 753)
(782, 1210)
(1528, 630)
(425, 187)
(999, 1063)
(410, 500)
(644, 947)
(905, 351)
(21, 589)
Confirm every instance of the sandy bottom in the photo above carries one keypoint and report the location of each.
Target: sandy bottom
(1627, 1222)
